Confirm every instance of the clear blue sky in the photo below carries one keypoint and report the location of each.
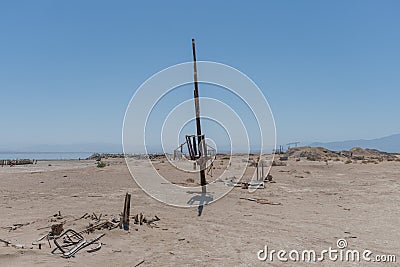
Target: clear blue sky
(329, 69)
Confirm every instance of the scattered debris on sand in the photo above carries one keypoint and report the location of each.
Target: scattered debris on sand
(68, 242)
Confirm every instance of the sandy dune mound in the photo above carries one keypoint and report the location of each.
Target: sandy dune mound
(320, 153)
(370, 153)
(311, 153)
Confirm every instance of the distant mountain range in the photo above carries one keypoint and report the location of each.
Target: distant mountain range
(388, 144)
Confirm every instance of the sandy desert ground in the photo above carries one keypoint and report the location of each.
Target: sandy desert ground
(320, 204)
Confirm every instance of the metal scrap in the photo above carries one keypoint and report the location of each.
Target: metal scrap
(72, 238)
(82, 245)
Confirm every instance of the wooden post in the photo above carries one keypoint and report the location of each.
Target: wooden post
(262, 170)
(125, 214)
(198, 126)
(257, 170)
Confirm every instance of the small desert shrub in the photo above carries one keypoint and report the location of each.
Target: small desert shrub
(101, 164)
(348, 161)
(190, 180)
(226, 158)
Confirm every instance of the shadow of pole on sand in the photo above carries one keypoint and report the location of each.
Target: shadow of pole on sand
(202, 198)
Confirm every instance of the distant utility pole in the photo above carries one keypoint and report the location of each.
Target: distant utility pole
(201, 144)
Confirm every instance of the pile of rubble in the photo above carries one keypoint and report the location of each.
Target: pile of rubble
(311, 153)
(68, 242)
(358, 153)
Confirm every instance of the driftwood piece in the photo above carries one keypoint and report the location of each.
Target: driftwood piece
(115, 219)
(107, 224)
(155, 219)
(48, 240)
(45, 227)
(5, 242)
(139, 263)
(141, 218)
(36, 242)
(15, 226)
(262, 201)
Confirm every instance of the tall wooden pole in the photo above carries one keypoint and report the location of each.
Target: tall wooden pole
(198, 125)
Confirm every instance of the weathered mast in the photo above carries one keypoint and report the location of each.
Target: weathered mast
(198, 125)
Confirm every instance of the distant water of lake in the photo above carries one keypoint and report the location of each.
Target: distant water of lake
(44, 155)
